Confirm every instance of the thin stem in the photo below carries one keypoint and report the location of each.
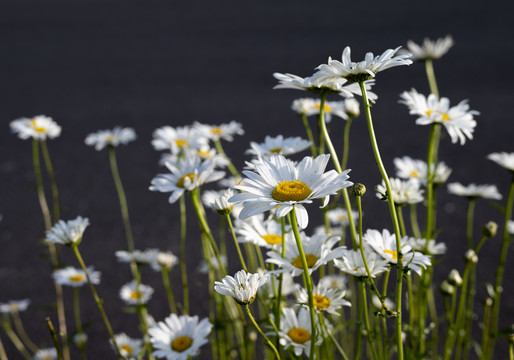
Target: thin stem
(241, 259)
(430, 181)
(78, 321)
(169, 291)
(54, 337)
(414, 221)
(429, 68)
(332, 338)
(469, 227)
(39, 186)
(400, 220)
(230, 166)
(366, 319)
(53, 183)
(309, 135)
(18, 324)
(182, 255)
(15, 339)
(278, 312)
(3, 355)
(346, 142)
(270, 344)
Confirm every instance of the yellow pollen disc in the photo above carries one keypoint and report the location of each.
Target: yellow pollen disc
(291, 191)
(272, 239)
(38, 129)
(275, 150)
(180, 142)
(180, 182)
(414, 174)
(321, 302)
(216, 130)
(77, 278)
(342, 218)
(136, 295)
(127, 349)
(355, 269)
(109, 138)
(311, 260)
(204, 153)
(392, 252)
(428, 112)
(299, 335)
(446, 117)
(326, 108)
(181, 344)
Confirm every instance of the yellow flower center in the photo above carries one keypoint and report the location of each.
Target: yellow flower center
(392, 252)
(181, 344)
(109, 138)
(272, 239)
(429, 112)
(136, 295)
(342, 217)
(77, 278)
(299, 335)
(311, 260)
(180, 142)
(204, 153)
(190, 176)
(37, 128)
(321, 302)
(216, 130)
(326, 108)
(275, 150)
(127, 349)
(291, 191)
(414, 174)
(446, 117)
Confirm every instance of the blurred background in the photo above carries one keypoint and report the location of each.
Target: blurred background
(94, 65)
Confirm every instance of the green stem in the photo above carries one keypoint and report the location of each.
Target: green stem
(414, 221)
(55, 340)
(332, 338)
(169, 291)
(366, 319)
(400, 220)
(270, 344)
(309, 135)
(346, 143)
(18, 324)
(430, 182)
(3, 355)
(429, 69)
(241, 259)
(183, 267)
(469, 227)
(53, 183)
(39, 186)
(15, 339)
(78, 321)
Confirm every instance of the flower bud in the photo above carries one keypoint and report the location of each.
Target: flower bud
(358, 189)
(489, 230)
(471, 256)
(446, 288)
(454, 278)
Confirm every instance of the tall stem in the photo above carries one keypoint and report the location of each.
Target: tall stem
(18, 324)
(15, 339)
(270, 344)
(182, 255)
(241, 259)
(230, 166)
(309, 134)
(366, 318)
(346, 143)
(469, 227)
(53, 183)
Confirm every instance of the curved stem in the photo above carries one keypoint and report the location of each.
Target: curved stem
(309, 135)
(18, 324)
(55, 340)
(241, 259)
(183, 267)
(15, 339)
(53, 183)
(270, 344)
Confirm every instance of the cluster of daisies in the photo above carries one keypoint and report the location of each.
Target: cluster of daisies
(301, 275)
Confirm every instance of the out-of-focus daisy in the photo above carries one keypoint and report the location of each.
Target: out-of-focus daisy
(46, 354)
(165, 260)
(242, 287)
(339, 217)
(325, 298)
(134, 294)
(473, 191)
(114, 137)
(363, 70)
(378, 304)
(430, 50)
(207, 153)
(177, 139)
(504, 159)
(432, 248)
(404, 192)
(510, 227)
(295, 330)
(261, 232)
(351, 263)
(458, 120)
(223, 131)
(39, 127)
(14, 306)
(384, 243)
(71, 276)
(129, 347)
(408, 168)
(67, 232)
(80, 339)
(334, 281)
(220, 202)
(318, 251)
(140, 257)
(278, 146)
(311, 107)
(288, 284)
(188, 174)
(203, 268)
(179, 338)
(278, 184)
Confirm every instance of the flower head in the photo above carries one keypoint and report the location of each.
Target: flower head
(278, 184)
(408, 168)
(165, 260)
(430, 50)
(223, 131)
(129, 348)
(14, 306)
(261, 232)
(309, 107)
(295, 330)
(505, 160)
(67, 233)
(114, 137)
(325, 298)
(473, 191)
(178, 139)
(46, 354)
(339, 217)
(242, 287)
(351, 263)
(39, 127)
(71, 276)
(179, 337)
(134, 294)
(404, 192)
(427, 247)
(278, 146)
(221, 204)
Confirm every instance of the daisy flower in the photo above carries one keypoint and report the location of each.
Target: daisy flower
(165, 260)
(261, 232)
(432, 248)
(14, 306)
(339, 217)
(242, 287)
(473, 191)
(385, 245)
(510, 227)
(404, 192)
(334, 281)
(114, 137)
(67, 233)
(221, 204)
(295, 330)
(505, 160)
(458, 120)
(430, 50)
(278, 184)
(278, 146)
(179, 338)
(325, 298)
(132, 294)
(363, 70)
(318, 251)
(177, 139)
(288, 284)
(408, 168)
(351, 263)
(188, 174)
(129, 348)
(309, 107)
(46, 354)
(140, 257)
(71, 276)
(39, 127)
(223, 131)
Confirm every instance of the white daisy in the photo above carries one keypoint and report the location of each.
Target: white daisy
(179, 338)
(325, 298)
(46, 354)
(385, 245)
(378, 304)
(207, 153)
(351, 262)
(504, 159)
(39, 127)
(432, 248)
(318, 250)
(408, 168)
(510, 227)
(458, 120)
(242, 287)
(313, 107)
(220, 203)
(339, 217)
(141, 257)
(288, 284)
(295, 331)
(279, 184)
(430, 50)
(188, 174)
(71, 276)
(474, 191)
(14, 306)
(134, 294)
(177, 139)
(223, 131)
(165, 260)
(114, 137)
(278, 146)
(261, 232)
(404, 192)
(129, 348)
(333, 231)
(80, 339)
(334, 281)
(67, 233)
(360, 71)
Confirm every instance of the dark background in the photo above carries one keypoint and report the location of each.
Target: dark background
(96, 64)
